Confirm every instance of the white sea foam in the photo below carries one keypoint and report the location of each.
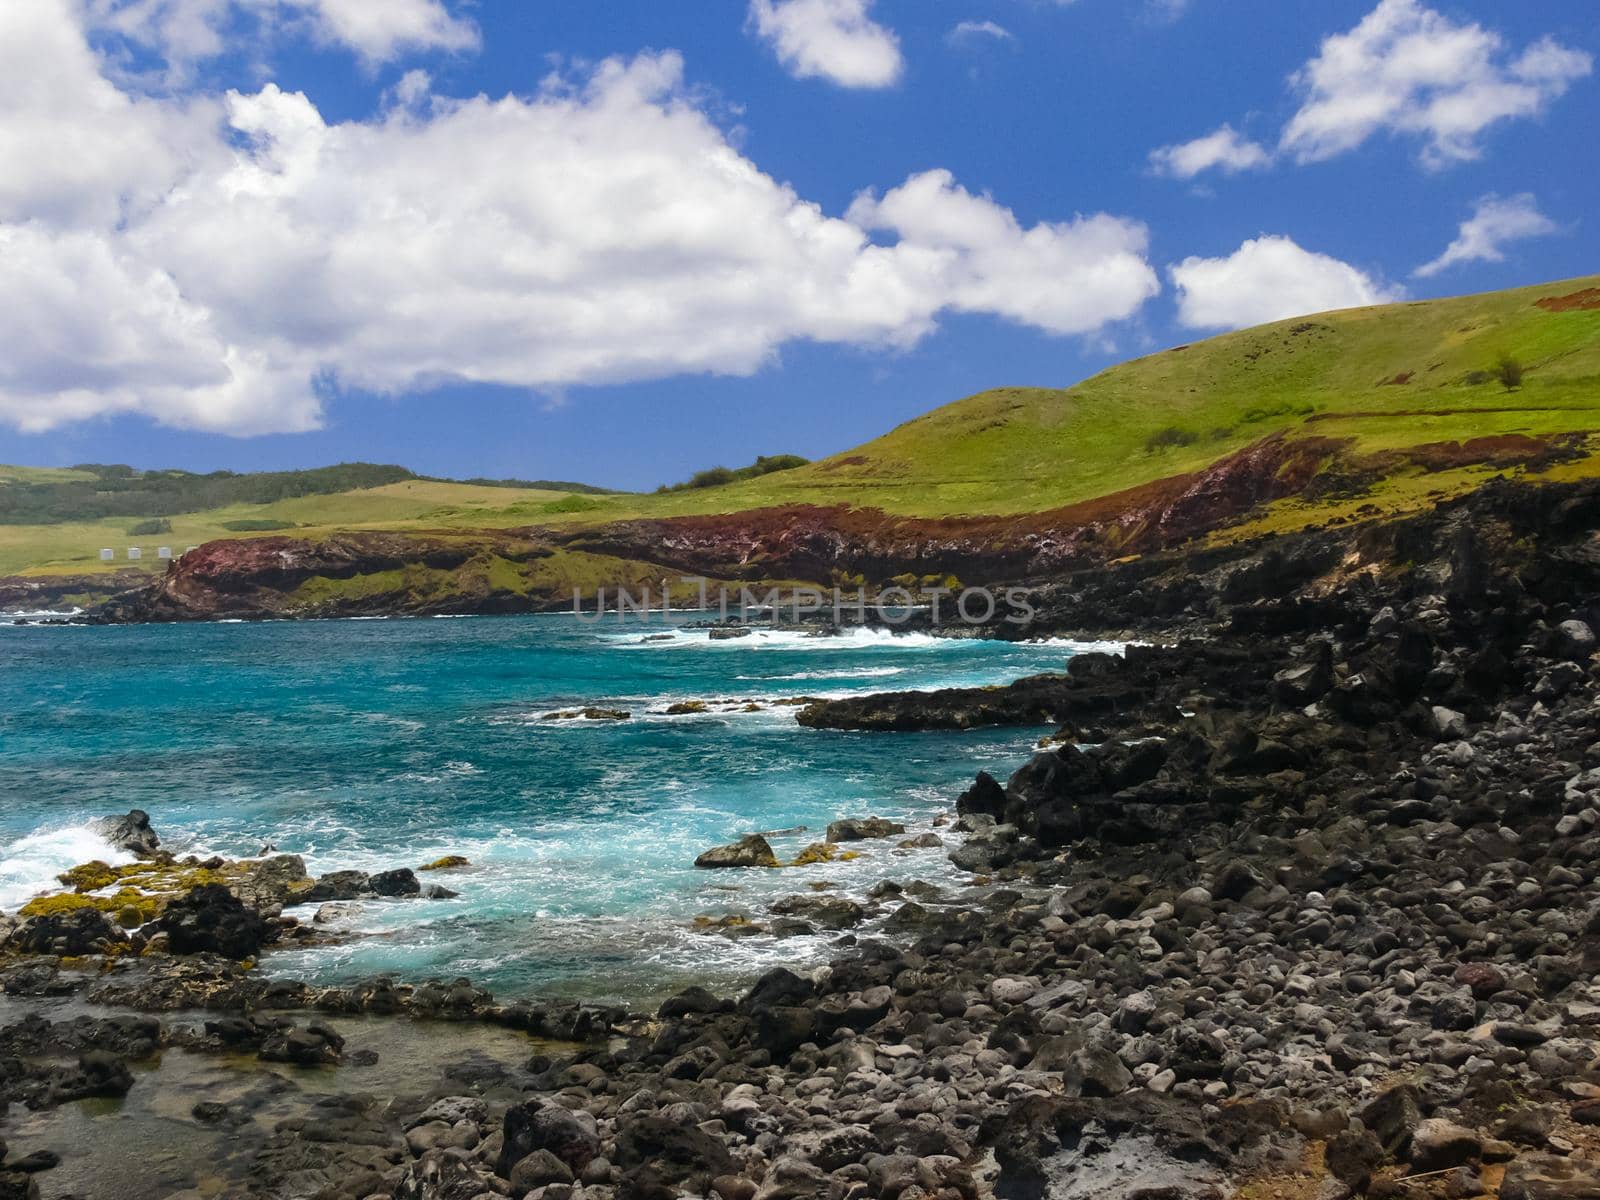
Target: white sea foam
(37, 614)
(761, 638)
(830, 673)
(32, 862)
(780, 639)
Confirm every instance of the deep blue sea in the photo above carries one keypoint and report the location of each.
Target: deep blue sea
(381, 743)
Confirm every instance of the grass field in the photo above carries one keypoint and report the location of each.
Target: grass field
(75, 547)
(1024, 449)
(1386, 378)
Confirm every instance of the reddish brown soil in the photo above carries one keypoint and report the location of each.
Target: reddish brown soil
(1380, 414)
(822, 542)
(1501, 450)
(1588, 298)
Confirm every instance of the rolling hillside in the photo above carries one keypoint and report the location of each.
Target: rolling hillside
(1386, 377)
(1362, 411)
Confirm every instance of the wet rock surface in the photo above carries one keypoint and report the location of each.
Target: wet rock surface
(131, 832)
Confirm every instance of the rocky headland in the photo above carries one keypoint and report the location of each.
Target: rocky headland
(1300, 899)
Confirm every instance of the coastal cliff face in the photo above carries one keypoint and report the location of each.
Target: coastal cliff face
(826, 542)
(538, 569)
(51, 593)
(349, 574)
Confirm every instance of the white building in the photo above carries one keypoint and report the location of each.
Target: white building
(163, 551)
(107, 555)
(134, 553)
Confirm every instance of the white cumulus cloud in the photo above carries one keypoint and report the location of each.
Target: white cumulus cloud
(1496, 221)
(1061, 277)
(186, 31)
(836, 40)
(224, 263)
(1408, 70)
(1267, 279)
(1225, 148)
(73, 146)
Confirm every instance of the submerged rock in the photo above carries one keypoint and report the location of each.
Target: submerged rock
(315, 1045)
(590, 713)
(830, 912)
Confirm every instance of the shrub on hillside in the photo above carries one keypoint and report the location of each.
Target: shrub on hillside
(256, 525)
(146, 528)
(1508, 371)
(765, 464)
(1163, 439)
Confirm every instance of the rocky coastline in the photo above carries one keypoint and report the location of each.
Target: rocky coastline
(1299, 901)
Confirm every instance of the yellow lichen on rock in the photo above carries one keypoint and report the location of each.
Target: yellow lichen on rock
(129, 906)
(731, 921)
(823, 852)
(142, 889)
(817, 852)
(448, 863)
(49, 906)
(90, 876)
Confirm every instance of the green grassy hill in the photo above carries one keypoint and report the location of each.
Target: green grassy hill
(1390, 376)
(1375, 380)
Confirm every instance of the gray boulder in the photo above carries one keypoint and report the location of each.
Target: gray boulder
(753, 850)
(859, 829)
(131, 833)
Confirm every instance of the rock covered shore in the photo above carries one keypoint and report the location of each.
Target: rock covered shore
(1307, 908)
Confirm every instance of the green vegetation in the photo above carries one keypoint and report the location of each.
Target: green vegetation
(90, 491)
(94, 490)
(1385, 377)
(256, 525)
(572, 504)
(1161, 439)
(148, 528)
(1509, 372)
(765, 464)
(531, 485)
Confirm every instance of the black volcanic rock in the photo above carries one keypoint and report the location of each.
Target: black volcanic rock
(131, 833)
(211, 919)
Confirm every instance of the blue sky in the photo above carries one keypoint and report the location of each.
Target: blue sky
(649, 245)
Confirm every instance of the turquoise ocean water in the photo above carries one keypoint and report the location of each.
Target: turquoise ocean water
(380, 743)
